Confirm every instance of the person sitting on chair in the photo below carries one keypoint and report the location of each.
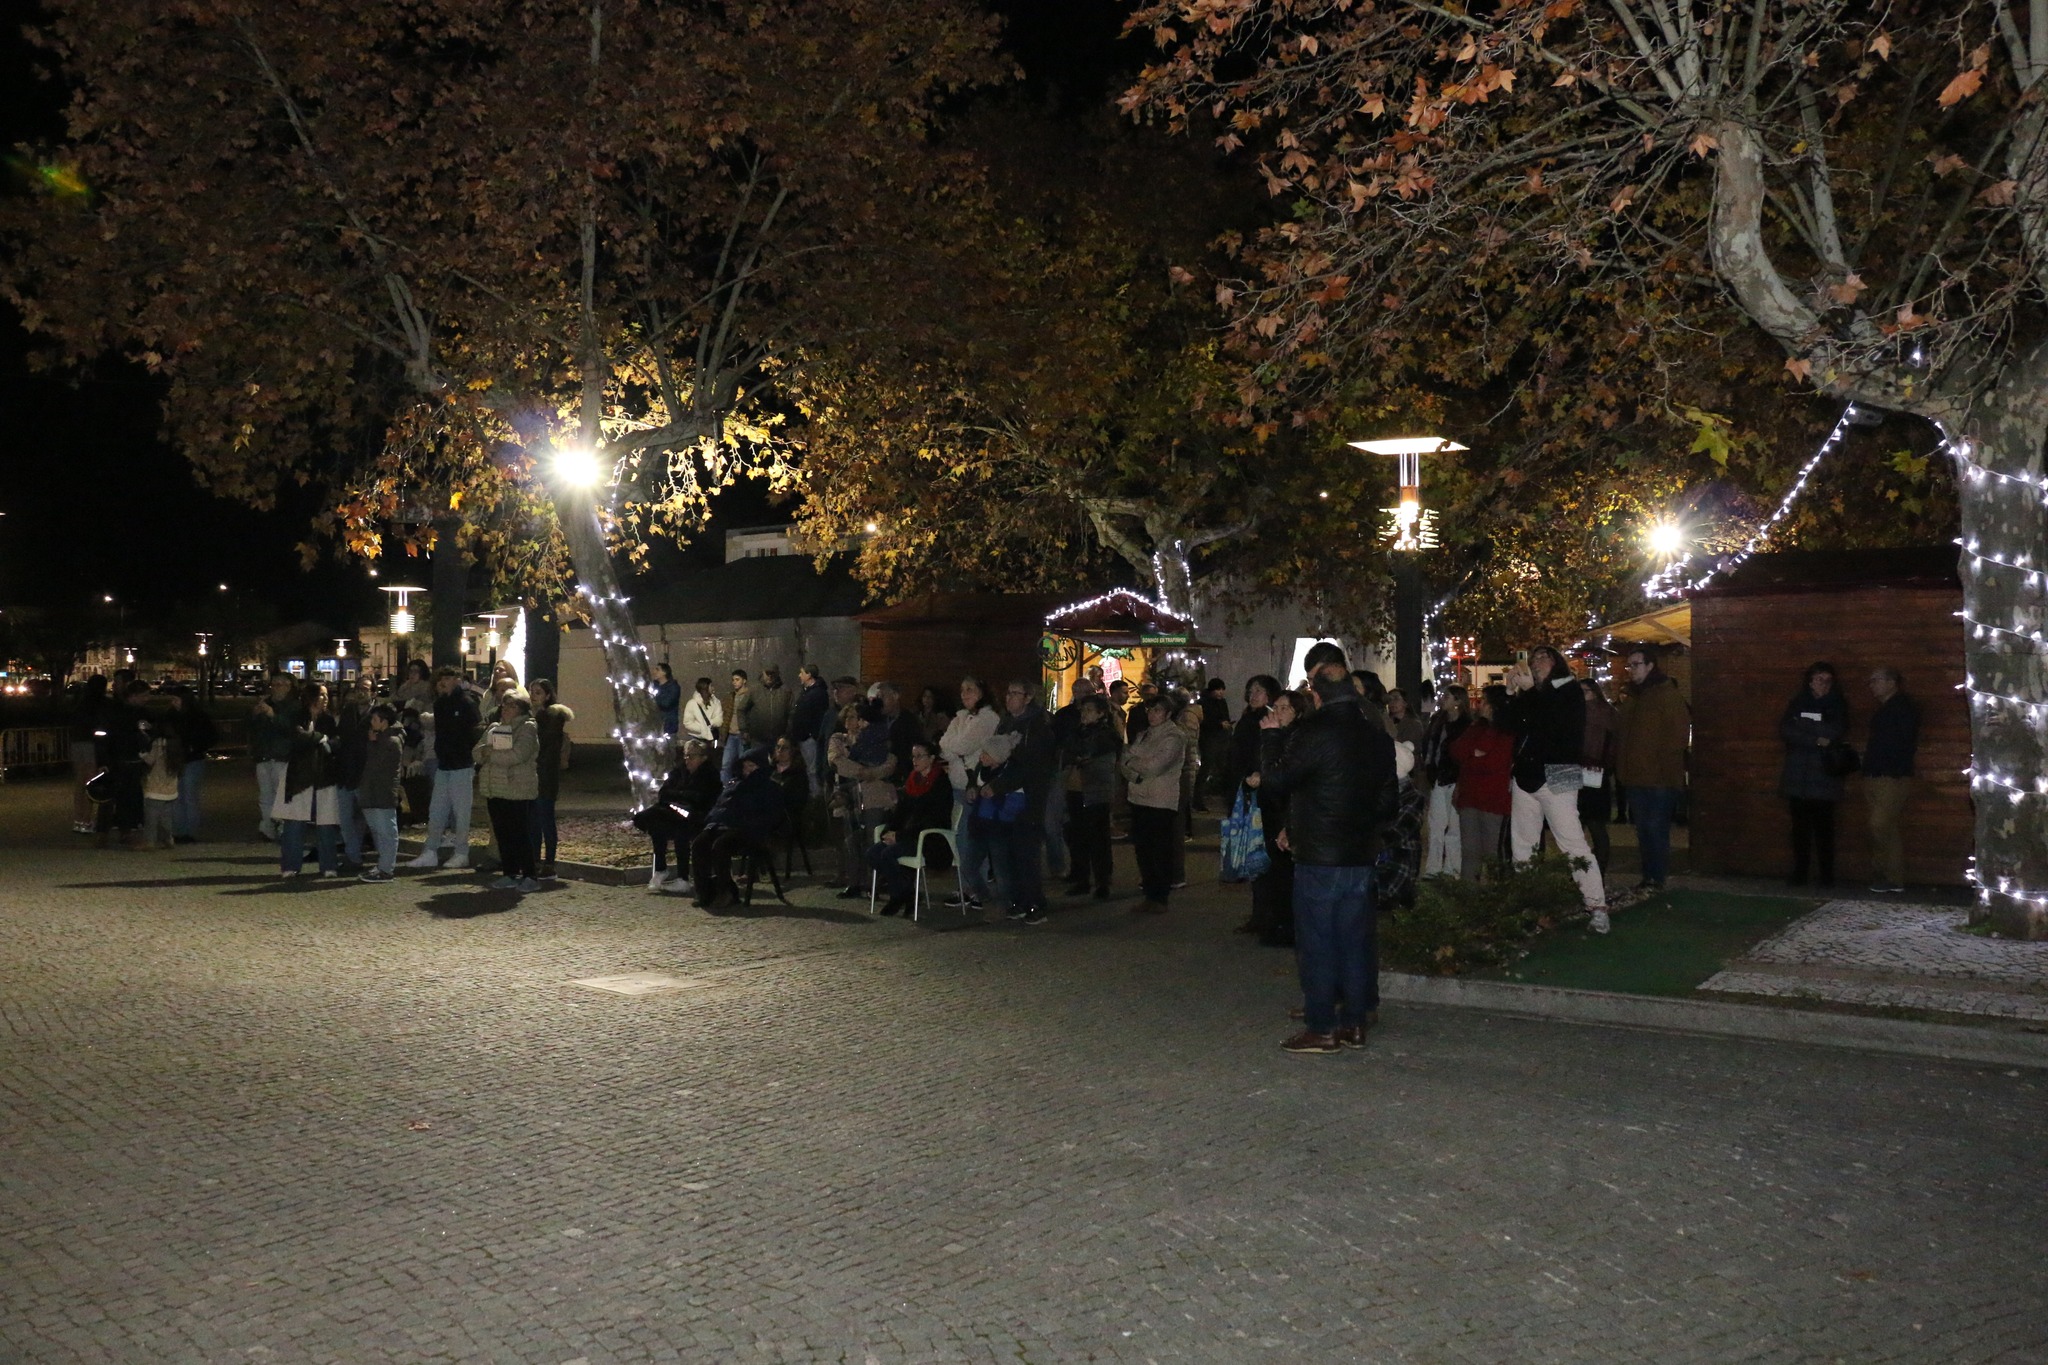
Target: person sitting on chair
(678, 814)
(746, 814)
(926, 803)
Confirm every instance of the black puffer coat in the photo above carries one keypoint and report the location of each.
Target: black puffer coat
(1337, 773)
(1549, 725)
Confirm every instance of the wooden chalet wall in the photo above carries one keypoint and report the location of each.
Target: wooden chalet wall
(1749, 654)
(935, 641)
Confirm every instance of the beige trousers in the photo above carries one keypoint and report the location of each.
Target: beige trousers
(1886, 797)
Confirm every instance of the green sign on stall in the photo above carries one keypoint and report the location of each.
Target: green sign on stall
(1179, 639)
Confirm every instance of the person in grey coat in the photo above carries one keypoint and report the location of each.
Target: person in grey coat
(1815, 720)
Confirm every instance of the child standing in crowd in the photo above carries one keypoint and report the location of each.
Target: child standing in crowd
(377, 792)
(160, 790)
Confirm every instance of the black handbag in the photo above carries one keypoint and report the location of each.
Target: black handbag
(100, 786)
(1840, 759)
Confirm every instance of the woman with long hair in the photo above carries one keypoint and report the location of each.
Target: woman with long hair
(967, 734)
(1547, 713)
(309, 799)
(1273, 890)
(1485, 758)
(1814, 721)
(1438, 776)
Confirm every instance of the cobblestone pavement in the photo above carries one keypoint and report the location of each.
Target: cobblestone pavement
(255, 1121)
(1887, 954)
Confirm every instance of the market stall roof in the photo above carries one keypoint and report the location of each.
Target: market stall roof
(1667, 625)
(1124, 619)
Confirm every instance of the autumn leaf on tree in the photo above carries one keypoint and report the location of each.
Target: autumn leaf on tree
(1961, 88)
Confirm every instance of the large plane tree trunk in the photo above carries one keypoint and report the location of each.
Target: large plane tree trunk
(2004, 495)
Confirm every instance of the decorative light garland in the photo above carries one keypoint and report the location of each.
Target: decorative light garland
(645, 753)
(1983, 780)
(1058, 614)
(1668, 582)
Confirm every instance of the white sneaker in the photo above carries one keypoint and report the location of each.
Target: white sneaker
(658, 881)
(427, 859)
(678, 887)
(459, 860)
(1600, 925)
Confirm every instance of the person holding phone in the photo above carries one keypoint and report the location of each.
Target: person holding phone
(1546, 712)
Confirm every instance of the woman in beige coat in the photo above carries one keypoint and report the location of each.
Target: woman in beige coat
(1152, 766)
(508, 778)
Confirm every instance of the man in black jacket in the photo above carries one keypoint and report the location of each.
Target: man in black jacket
(455, 727)
(1017, 791)
(1337, 773)
(1888, 776)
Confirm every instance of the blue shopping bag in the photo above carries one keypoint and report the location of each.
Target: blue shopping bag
(1244, 840)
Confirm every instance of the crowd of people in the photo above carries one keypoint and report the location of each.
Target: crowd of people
(337, 770)
(1361, 791)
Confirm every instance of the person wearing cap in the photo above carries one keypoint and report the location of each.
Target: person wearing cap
(1337, 772)
(746, 813)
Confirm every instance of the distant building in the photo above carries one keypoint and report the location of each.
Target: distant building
(767, 604)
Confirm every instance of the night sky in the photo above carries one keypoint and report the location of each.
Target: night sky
(96, 504)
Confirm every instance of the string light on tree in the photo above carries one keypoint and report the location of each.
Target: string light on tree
(1670, 581)
(2019, 637)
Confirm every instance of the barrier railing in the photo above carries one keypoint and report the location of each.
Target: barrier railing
(34, 748)
(47, 748)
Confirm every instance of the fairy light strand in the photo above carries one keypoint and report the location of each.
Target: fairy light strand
(1670, 581)
(1985, 781)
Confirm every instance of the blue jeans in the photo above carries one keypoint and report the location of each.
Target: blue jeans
(973, 849)
(1015, 850)
(541, 827)
(1335, 946)
(1652, 808)
(185, 820)
(454, 794)
(382, 823)
(291, 841)
(1055, 831)
(351, 827)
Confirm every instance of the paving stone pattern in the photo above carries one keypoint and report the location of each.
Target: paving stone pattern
(254, 1121)
(1891, 955)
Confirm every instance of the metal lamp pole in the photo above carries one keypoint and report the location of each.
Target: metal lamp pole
(1409, 531)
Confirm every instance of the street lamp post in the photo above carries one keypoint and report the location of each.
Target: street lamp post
(1408, 529)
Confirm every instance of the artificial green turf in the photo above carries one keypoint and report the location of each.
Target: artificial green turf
(1666, 945)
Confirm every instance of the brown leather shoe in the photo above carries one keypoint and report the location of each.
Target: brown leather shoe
(1314, 1043)
(1353, 1036)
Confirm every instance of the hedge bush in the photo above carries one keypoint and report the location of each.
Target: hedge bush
(1456, 926)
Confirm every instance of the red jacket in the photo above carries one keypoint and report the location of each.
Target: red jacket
(1485, 756)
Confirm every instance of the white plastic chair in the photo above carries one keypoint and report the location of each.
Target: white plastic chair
(921, 860)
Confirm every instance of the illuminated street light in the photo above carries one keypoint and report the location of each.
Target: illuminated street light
(401, 611)
(578, 467)
(1666, 539)
(1408, 529)
(341, 649)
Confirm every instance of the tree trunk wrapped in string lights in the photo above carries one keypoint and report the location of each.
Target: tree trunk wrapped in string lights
(1869, 186)
(394, 246)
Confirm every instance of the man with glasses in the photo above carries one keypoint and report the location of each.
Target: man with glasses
(1656, 727)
